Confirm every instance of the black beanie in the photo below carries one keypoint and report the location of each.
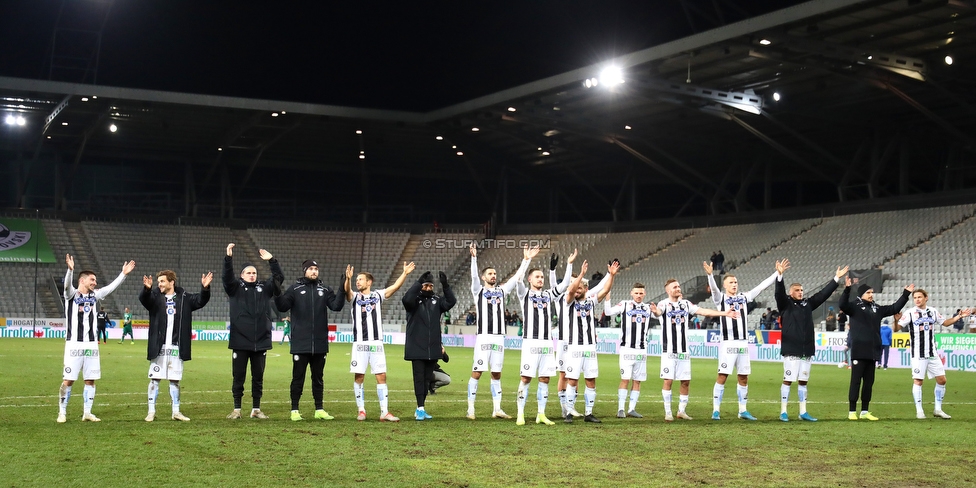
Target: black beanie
(308, 263)
(247, 265)
(862, 288)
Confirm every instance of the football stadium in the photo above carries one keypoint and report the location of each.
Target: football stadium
(586, 201)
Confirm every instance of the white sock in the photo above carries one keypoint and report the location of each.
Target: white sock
(542, 396)
(64, 394)
(743, 393)
(520, 400)
(89, 398)
(496, 394)
(917, 395)
(717, 392)
(589, 394)
(621, 398)
(382, 392)
(801, 394)
(358, 389)
(784, 396)
(666, 394)
(174, 393)
(634, 395)
(939, 395)
(472, 392)
(570, 398)
(153, 391)
(682, 403)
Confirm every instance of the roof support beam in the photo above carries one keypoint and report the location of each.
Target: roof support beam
(779, 147)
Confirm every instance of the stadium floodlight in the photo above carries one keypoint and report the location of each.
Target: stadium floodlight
(84, 99)
(10, 120)
(948, 60)
(274, 114)
(220, 149)
(283, 112)
(359, 132)
(439, 138)
(475, 129)
(511, 109)
(21, 121)
(459, 153)
(64, 123)
(113, 128)
(627, 127)
(362, 156)
(776, 96)
(545, 153)
(765, 42)
(611, 76)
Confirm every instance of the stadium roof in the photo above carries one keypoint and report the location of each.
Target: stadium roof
(819, 102)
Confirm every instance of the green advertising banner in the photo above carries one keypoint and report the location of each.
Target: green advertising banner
(18, 238)
(951, 342)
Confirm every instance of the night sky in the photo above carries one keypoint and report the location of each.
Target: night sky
(415, 56)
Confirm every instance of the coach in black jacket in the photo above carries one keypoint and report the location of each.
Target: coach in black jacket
(423, 345)
(309, 302)
(798, 341)
(865, 333)
(250, 325)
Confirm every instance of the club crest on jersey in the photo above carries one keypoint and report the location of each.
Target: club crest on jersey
(301, 292)
(259, 288)
(494, 297)
(321, 293)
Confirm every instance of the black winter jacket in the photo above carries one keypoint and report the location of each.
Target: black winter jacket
(423, 339)
(250, 323)
(865, 323)
(186, 303)
(309, 302)
(798, 337)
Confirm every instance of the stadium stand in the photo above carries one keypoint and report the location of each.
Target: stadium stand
(931, 247)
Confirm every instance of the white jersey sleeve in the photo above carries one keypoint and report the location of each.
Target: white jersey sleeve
(69, 287)
(475, 277)
(753, 293)
(716, 292)
(510, 284)
(103, 292)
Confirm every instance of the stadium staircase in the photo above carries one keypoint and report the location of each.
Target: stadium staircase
(406, 256)
(85, 258)
(244, 244)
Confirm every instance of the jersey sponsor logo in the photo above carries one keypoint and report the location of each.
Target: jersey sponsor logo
(737, 350)
(79, 353)
(678, 356)
(632, 357)
(540, 350)
(492, 347)
(494, 297)
(583, 354)
(368, 348)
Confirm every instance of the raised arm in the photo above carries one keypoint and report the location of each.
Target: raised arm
(145, 295)
(567, 276)
(845, 299)
(127, 268)
(611, 310)
(412, 294)
(822, 295)
(200, 300)
(449, 299)
(231, 283)
(407, 268)
(966, 312)
(753, 293)
(527, 255)
(475, 275)
(573, 285)
(69, 287)
(334, 300)
(347, 285)
(612, 271)
(899, 304)
(716, 292)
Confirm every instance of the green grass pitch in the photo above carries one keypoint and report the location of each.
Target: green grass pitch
(450, 450)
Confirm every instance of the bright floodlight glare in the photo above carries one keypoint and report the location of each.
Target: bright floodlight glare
(511, 109)
(113, 128)
(84, 99)
(362, 156)
(776, 96)
(948, 60)
(611, 76)
(64, 123)
(627, 127)
(588, 83)
(10, 120)
(274, 114)
(459, 153)
(220, 149)
(475, 129)
(439, 138)
(545, 153)
(359, 132)
(765, 42)
(21, 120)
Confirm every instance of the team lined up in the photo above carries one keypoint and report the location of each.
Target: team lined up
(565, 312)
